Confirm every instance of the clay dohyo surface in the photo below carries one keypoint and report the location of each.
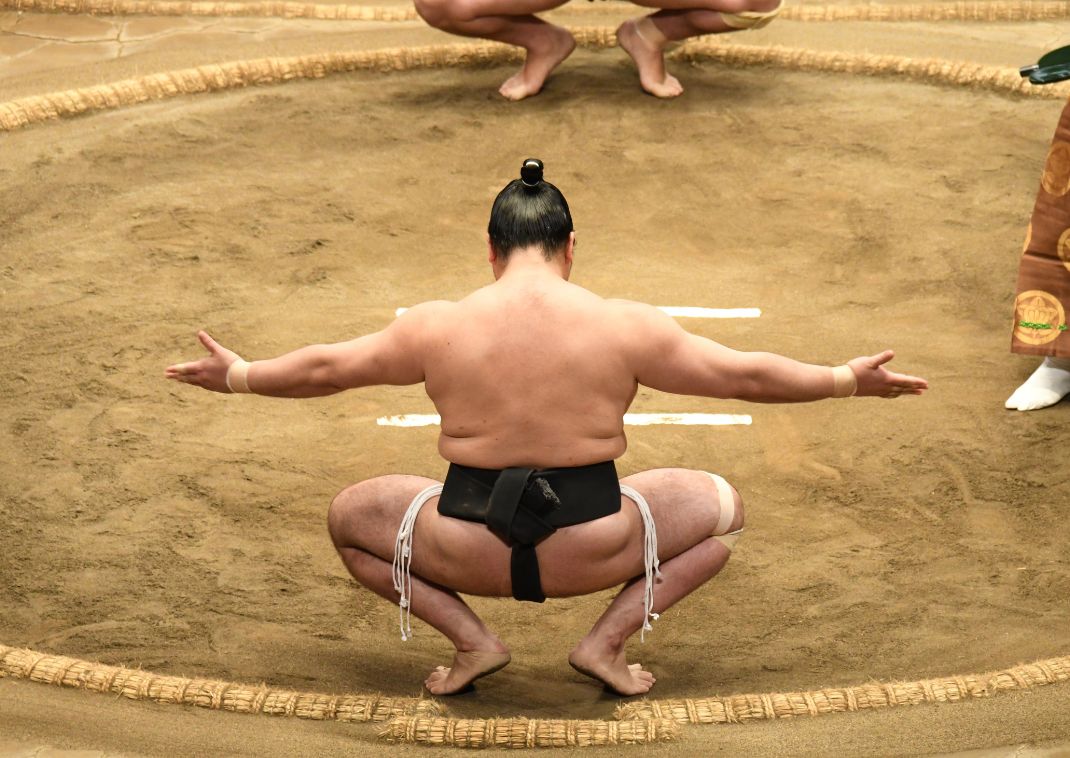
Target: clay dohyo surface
(148, 523)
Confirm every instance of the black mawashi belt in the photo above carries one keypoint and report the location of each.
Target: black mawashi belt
(518, 505)
(524, 506)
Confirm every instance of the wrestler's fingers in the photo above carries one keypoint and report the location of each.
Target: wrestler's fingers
(900, 391)
(875, 361)
(210, 344)
(908, 382)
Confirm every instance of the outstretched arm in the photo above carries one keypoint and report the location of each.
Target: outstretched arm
(391, 356)
(670, 359)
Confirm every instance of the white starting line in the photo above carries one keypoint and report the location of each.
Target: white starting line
(630, 419)
(686, 311)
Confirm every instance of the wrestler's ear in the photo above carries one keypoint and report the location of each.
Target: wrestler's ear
(492, 254)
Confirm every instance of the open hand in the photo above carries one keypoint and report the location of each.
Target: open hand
(209, 372)
(876, 381)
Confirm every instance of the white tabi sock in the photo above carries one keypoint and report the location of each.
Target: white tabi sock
(1049, 384)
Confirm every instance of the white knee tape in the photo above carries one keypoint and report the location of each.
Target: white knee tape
(727, 504)
(727, 515)
(751, 19)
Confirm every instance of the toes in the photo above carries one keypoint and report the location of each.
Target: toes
(438, 675)
(663, 90)
(510, 86)
(513, 93)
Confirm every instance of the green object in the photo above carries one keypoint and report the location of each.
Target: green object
(1035, 325)
(1052, 67)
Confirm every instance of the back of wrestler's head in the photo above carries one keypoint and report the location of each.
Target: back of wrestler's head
(529, 212)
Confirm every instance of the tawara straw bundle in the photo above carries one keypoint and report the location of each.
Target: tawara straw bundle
(1004, 80)
(206, 693)
(527, 733)
(742, 708)
(421, 721)
(1023, 10)
(15, 114)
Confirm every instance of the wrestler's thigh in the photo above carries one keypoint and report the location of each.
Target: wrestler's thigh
(462, 555)
(480, 8)
(577, 560)
(608, 551)
(685, 505)
(724, 6)
(366, 515)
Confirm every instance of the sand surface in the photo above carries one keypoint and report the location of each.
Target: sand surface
(148, 524)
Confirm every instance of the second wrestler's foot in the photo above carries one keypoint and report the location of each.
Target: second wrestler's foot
(545, 54)
(645, 44)
(611, 669)
(468, 665)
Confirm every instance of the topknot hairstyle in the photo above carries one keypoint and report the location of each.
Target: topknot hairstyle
(530, 212)
(531, 173)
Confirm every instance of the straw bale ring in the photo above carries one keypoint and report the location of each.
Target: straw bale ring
(736, 709)
(976, 11)
(25, 111)
(137, 684)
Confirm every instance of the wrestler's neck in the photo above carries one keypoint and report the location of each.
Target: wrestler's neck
(530, 264)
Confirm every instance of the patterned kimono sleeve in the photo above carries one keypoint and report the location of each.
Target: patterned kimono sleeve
(1043, 293)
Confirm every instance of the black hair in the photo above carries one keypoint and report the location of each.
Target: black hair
(529, 212)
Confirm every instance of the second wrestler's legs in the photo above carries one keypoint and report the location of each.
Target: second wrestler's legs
(645, 39)
(686, 506)
(511, 22)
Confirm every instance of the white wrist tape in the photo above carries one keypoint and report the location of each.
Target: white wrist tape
(845, 383)
(238, 376)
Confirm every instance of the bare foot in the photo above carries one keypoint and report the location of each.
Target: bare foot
(644, 43)
(612, 670)
(545, 54)
(468, 665)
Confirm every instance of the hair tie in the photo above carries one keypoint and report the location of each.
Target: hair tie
(531, 173)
